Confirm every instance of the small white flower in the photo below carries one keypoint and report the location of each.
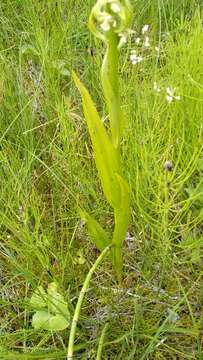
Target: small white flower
(137, 40)
(156, 87)
(169, 98)
(170, 95)
(170, 91)
(107, 22)
(146, 42)
(134, 58)
(145, 29)
(157, 49)
(115, 8)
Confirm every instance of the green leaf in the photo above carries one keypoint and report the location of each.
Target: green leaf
(39, 298)
(58, 322)
(56, 302)
(53, 314)
(41, 319)
(97, 234)
(106, 155)
(47, 321)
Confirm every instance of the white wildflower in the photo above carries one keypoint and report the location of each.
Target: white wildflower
(157, 49)
(137, 40)
(115, 8)
(169, 98)
(146, 42)
(145, 29)
(156, 87)
(134, 58)
(170, 95)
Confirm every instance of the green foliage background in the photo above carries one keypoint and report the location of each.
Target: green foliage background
(47, 167)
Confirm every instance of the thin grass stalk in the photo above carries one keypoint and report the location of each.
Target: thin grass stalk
(101, 341)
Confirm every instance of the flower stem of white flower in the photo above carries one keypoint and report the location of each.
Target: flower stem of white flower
(110, 84)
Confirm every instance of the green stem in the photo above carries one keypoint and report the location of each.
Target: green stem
(122, 219)
(101, 342)
(80, 300)
(110, 84)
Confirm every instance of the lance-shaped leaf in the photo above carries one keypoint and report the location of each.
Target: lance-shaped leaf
(106, 156)
(97, 234)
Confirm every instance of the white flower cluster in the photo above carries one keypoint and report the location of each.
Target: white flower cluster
(134, 58)
(111, 16)
(108, 21)
(144, 43)
(170, 97)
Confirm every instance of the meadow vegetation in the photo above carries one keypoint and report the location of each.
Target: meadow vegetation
(48, 171)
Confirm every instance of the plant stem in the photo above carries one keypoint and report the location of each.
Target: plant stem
(101, 342)
(110, 84)
(79, 302)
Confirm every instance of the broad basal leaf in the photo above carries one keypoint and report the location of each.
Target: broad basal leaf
(40, 320)
(47, 321)
(53, 314)
(39, 298)
(56, 302)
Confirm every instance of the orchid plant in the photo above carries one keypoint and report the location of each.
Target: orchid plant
(109, 21)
